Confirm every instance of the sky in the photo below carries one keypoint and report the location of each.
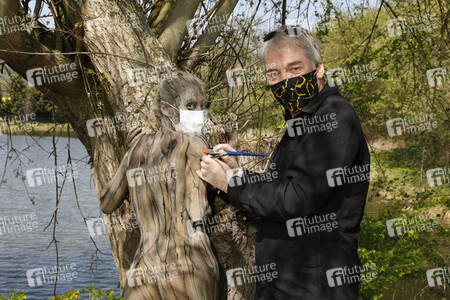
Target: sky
(242, 7)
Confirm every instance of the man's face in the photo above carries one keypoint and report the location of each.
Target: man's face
(289, 62)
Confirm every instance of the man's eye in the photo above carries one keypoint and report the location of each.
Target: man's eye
(190, 105)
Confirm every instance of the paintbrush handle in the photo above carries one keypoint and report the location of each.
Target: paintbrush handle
(245, 153)
(212, 152)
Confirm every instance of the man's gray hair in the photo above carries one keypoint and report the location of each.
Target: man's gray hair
(304, 39)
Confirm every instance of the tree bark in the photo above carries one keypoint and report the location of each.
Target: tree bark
(118, 51)
(175, 27)
(210, 34)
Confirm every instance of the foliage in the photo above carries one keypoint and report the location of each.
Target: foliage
(15, 103)
(398, 258)
(24, 100)
(92, 292)
(13, 296)
(405, 258)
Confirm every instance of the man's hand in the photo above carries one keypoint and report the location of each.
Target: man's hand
(215, 172)
(231, 161)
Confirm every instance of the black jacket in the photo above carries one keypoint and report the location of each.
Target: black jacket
(309, 183)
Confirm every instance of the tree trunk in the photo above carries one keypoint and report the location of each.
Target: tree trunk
(121, 46)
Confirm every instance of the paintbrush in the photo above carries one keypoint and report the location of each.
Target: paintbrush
(217, 154)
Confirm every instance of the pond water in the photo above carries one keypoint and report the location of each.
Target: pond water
(27, 262)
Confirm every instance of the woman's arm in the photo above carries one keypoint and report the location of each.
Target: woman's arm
(113, 195)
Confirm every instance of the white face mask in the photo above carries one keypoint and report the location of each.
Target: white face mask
(192, 121)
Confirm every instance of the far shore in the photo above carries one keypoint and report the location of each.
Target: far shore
(39, 129)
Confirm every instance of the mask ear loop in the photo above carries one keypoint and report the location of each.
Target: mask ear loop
(170, 105)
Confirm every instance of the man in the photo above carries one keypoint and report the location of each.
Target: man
(311, 212)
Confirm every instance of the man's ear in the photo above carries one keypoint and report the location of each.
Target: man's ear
(320, 70)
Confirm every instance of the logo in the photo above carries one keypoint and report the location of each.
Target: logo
(17, 224)
(229, 120)
(196, 25)
(357, 73)
(237, 76)
(237, 177)
(136, 277)
(49, 275)
(312, 124)
(334, 76)
(241, 276)
(35, 77)
(335, 177)
(327, 26)
(215, 24)
(438, 276)
(40, 176)
(50, 75)
(195, 225)
(35, 277)
(335, 277)
(138, 176)
(138, 76)
(437, 76)
(135, 177)
(98, 126)
(411, 125)
(17, 23)
(348, 275)
(395, 227)
(438, 176)
(139, 276)
(394, 26)
(94, 127)
(234, 178)
(231, 82)
(17, 123)
(399, 226)
(96, 226)
(35, 177)
(395, 127)
(346, 175)
(398, 26)
(311, 225)
(235, 277)
(217, 223)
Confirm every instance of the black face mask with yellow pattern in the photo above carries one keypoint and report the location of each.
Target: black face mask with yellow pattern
(294, 93)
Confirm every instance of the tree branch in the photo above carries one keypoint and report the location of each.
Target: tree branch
(209, 36)
(174, 29)
(70, 97)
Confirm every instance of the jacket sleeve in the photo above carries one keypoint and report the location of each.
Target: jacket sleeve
(304, 189)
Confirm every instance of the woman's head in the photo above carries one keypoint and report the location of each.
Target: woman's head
(181, 92)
